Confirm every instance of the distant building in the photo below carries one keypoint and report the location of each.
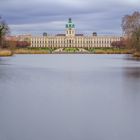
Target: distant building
(24, 38)
(71, 39)
(11, 38)
(44, 34)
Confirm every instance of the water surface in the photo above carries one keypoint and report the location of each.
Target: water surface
(69, 97)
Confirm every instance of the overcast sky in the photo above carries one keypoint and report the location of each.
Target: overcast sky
(38, 16)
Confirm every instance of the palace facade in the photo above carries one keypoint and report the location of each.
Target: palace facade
(71, 39)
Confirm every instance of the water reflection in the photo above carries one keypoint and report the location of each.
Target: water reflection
(133, 72)
(131, 82)
(131, 92)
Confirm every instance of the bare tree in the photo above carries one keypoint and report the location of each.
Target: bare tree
(4, 29)
(131, 23)
(131, 28)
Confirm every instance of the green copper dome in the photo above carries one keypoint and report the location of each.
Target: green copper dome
(70, 24)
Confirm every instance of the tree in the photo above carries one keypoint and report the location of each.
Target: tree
(119, 44)
(4, 29)
(22, 44)
(11, 44)
(131, 29)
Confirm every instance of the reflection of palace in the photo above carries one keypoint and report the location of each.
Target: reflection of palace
(71, 39)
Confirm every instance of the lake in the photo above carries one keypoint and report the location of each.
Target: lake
(69, 97)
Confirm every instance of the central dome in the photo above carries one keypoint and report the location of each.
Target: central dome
(70, 24)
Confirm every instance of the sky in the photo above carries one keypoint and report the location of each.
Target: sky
(38, 16)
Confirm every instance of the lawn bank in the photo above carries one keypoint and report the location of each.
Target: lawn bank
(5, 52)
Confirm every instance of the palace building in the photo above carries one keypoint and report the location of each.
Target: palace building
(71, 39)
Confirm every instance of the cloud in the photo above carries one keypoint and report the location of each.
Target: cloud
(37, 16)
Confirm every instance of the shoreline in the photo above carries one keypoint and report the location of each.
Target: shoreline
(8, 52)
(5, 53)
(28, 51)
(94, 51)
(136, 55)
